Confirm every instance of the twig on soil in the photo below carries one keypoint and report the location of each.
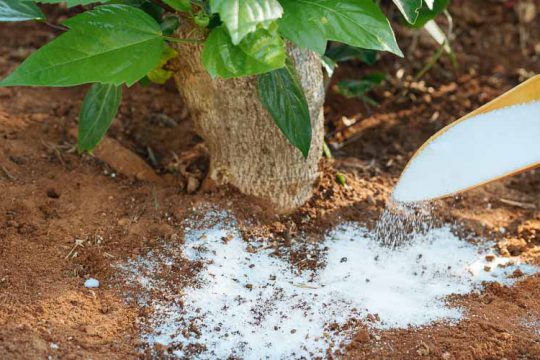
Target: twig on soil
(56, 150)
(304, 286)
(265, 247)
(528, 206)
(78, 243)
(152, 157)
(155, 198)
(7, 173)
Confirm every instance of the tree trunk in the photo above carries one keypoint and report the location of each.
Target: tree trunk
(246, 147)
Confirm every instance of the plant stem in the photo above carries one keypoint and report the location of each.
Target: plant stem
(56, 27)
(326, 150)
(430, 62)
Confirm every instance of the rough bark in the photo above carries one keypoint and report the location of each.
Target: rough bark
(246, 148)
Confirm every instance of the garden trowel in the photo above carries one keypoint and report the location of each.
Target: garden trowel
(497, 140)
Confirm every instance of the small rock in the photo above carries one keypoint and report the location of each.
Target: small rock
(161, 348)
(490, 257)
(515, 246)
(38, 117)
(362, 336)
(17, 159)
(123, 221)
(517, 273)
(12, 223)
(162, 120)
(526, 11)
(91, 283)
(487, 268)
(53, 194)
(227, 238)
(192, 184)
(446, 356)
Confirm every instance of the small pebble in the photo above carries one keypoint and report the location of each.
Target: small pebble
(53, 194)
(91, 283)
(517, 273)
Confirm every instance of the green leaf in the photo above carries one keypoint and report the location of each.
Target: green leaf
(311, 23)
(147, 6)
(242, 17)
(409, 9)
(344, 52)
(169, 25)
(282, 95)
(341, 179)
(201, 19)
(70, 3)
(358, 88)
(159, 75)
(111, 44)
(426, 13)
(98, 110)
(180, 5)
(16, 10)
(260, 52)
(329, 65)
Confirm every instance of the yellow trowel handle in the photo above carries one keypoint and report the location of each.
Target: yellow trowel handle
(468, 154)
(527, 91)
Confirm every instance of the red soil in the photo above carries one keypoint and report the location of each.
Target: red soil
(65, 217)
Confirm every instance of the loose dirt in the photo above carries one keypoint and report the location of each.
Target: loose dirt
(65, 218)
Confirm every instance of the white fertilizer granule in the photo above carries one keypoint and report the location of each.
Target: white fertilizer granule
(472, 152)
(91, 283)
(249, 304)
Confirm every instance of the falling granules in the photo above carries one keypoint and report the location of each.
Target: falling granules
(400, 222)
(242, 301)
